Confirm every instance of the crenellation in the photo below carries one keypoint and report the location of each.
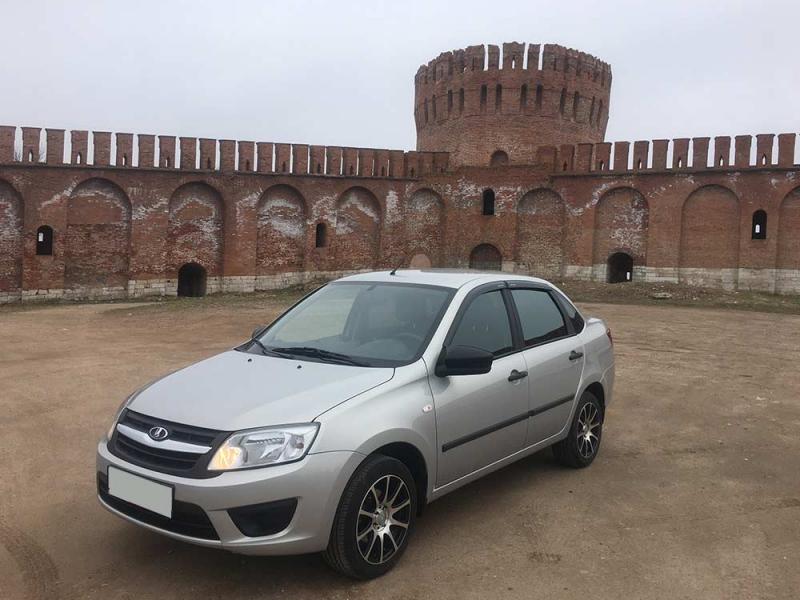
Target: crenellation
(660, 149)
(742, 151)
(786, 149)
(101, 143)
(764, 144)
(317, 160)
(208, 154)
(602, 157)
(227, 156)
(350, 162)
(247, 153)
(641, 152)
(621, 155)
(583, 162)
(397, 163)
(31, 138)
(7, 135)
(283, 158)
(55, 146)
(188, 158)
(680, 153)
(79, 147)
(366, 162)
(533, 57)
(124, 154)
(475, 57)
(722, 151)
(166, 151)
(265, 153)
(299, 159)
(700, 152)
(147, 150)
(333, 160)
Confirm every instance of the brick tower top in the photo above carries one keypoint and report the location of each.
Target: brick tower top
(486, 112)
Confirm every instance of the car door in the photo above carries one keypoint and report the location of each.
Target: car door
(480, 419)
(553, 358)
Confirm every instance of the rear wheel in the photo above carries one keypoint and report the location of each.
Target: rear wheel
(582, 443)
(374, 519)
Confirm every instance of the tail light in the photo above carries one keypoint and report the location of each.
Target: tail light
(610, 338)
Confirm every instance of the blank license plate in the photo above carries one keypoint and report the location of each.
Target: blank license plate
(140, 491)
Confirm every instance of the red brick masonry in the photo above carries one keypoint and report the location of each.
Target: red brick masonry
(128, 211)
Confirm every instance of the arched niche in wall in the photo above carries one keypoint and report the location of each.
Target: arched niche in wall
(485, 257)
(621, 222)
(97, 239)
(358, 226)
(788, 259)
(282, 217)
(196, 222)
(709, 250)
(425, 224)
(541, 216)
(11, 216)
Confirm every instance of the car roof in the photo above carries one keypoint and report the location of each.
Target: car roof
(451, 278)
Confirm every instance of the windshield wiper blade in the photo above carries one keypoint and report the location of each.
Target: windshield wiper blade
(319, 353)
(264, 350)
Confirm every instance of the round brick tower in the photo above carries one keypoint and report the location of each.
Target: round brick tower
(486, 113)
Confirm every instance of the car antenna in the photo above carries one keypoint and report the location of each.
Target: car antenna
(394, 271)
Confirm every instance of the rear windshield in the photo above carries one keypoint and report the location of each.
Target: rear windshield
(375, 324)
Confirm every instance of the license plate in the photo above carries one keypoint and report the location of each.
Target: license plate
(153, 496)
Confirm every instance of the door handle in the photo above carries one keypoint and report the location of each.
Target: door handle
(515, 375)
(575, 355)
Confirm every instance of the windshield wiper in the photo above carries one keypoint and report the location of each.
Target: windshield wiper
(319, 353)
(264, 350)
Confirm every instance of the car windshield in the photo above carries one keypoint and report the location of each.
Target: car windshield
(360, 323)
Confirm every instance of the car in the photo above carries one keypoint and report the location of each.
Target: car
(330, 429)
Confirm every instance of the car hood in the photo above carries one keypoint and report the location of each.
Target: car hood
(237, 390)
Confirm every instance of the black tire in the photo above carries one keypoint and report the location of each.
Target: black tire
(345, 553)
(576, 450)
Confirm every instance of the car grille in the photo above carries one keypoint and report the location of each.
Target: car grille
(187, 519)
(184, 464)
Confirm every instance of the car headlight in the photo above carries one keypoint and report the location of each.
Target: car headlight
(262, 447)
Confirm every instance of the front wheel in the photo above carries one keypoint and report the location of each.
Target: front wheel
(374, 519)
(582, 443)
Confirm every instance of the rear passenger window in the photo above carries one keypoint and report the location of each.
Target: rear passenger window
(485, 325)
(572, 313)
(539, 316)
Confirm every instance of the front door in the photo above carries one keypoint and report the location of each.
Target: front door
(481, 419)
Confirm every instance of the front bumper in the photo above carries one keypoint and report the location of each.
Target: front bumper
(316, 482)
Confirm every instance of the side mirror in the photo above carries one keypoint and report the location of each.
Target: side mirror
(463, 360)
(256, 331)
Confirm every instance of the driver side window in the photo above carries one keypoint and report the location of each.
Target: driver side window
(485, 325)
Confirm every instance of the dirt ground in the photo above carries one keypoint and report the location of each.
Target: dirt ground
(695, 494)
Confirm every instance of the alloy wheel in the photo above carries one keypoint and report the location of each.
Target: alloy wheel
(588, 430)
(383, 519)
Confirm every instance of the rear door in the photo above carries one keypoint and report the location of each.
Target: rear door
(553, 357)
(481, 419)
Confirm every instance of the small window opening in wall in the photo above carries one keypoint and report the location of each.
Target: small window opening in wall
(562, 102)
(208, 164)
(498, 97)
(602, 165)
(539, 94)
(30, 156)
(639, 164)
(591, 112)
(620, 267)
(412, 171)
(283, 166)
(484, 94)
(721, 162)
(760, 225)
(514, 63)
(124, 160)
(321, 236)
(565, 166)
(576, 98)
(523, 96)
(680, 163)
(351, 170)
(44, 241)
(764, 159)
(488, 202)
(433, 104)
(78, 158)
(449, 101)
(247, 165)
(166, 161)
(498, 158)
(461, 100)
(319, 168)
(383, 171)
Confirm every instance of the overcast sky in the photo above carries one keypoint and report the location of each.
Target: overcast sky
(342, 72)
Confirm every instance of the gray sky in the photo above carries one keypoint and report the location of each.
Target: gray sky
(342, 72)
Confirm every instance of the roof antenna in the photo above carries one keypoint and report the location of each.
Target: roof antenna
(394, 271)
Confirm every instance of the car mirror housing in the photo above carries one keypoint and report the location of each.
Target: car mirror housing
(463, 360)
